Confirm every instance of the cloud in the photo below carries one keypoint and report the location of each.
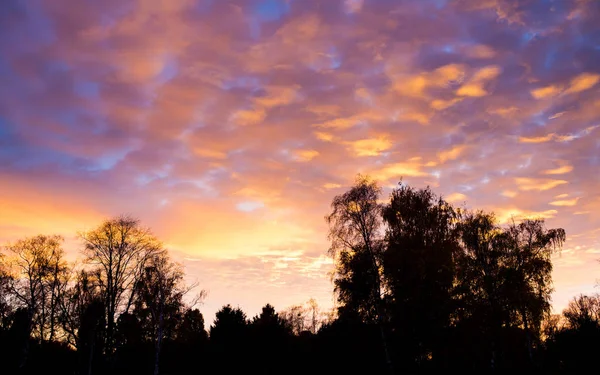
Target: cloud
(353, 6)
(560, 170)
(475, 86)
(480, 51)
(305, 155)
(411, 168)
(212, 154)
(505, 215)
(582, 82)
(537, 184)
(546, 92)
(323, 136)
(370, 146)
(456, 197)
(417, 85)
(565, 202)
(331, 185)
(451, 154)
(440, 104)
(249, 117)
(343, 123)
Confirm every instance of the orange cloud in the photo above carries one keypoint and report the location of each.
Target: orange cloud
(582, 82)
(474, 87)
(451, 154)
(326, 137)
(305, 155)
(545, 92)
(249, 117)
(411, 168)
(416, 85)
(370, 146)
(505, 215)
(542, 139)
(537, 184)
(565, 202)
(456, 197)
(560, 170)
(440, 104)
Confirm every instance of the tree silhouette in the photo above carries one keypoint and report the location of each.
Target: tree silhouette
(119, 249)
(159, 299)
(82, 316)
(40, 269)
(229, 336)
(355, 234)
(419, 269)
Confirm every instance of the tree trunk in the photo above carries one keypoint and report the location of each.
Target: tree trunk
(528, 337)
(158, 343)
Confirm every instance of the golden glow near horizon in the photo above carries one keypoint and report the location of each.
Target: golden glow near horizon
(228, 126)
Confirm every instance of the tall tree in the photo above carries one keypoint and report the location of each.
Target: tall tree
(270, 336)
(39, 270)
(119, 249)
(482, 291)
(355, 232)
(159, 299)
(529, 273)
(5, 286)
(229, 337)
(82, 316)
(419, 268)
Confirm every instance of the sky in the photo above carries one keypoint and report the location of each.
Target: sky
(228, 126)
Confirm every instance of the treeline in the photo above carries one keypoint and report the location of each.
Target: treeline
(421, 287)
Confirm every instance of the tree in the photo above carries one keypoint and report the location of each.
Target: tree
(229, 338)
(583, 312)
(119, 250)
(355, 233)
(82, 316)
(573, 346)
(230, 325)
(191, 327)
(159, 299)
(505, 276)
(294, 318)
(5, 287)
(419, 268)
(481, 302)
(270, 336)
(39, 272)
(529, 273)
(313, 311)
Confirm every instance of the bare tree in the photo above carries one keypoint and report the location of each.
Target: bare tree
(119, 249)
(5, 287)
(39, 268)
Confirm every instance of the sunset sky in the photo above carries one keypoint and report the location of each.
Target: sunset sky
(228, 126)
